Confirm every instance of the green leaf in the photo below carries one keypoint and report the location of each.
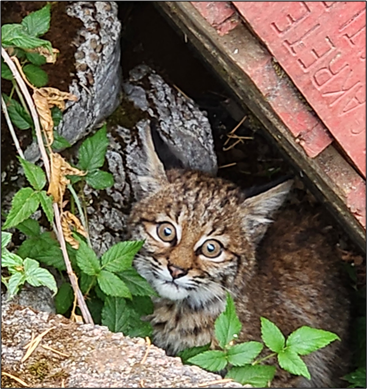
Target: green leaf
(15, 35)
(188, 353)
(95, 306)
(35, 58)
(14, 283)
(143, 305)
(213, 360)
(64, 298)
(56, 115)
(112, 285)
(305, 340)
(44, 249)
(290, 361)
(46, 204)
(18, 115)
(115, 315)
(59, 143)
(98, 179)
(5, 239)
(36, 76)
(141, 329)
(137, 284)
(244, 353)
(227, 325)
(25, 203)
(120, 256)
(357, 379)
(38, 23)
(29, 227)
(87, 259)
(6, 73)
(86, 282)
(271, 335)
(93, 150)
(259, 376)
(34, 174)
(12, 261)
(36, 276)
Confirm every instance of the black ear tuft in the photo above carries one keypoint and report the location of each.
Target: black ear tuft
(168, 157)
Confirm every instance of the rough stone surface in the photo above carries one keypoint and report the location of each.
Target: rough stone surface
(92, 357)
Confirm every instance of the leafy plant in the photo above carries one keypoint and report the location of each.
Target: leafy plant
(242, 360)
(116, 295)
(22, 270)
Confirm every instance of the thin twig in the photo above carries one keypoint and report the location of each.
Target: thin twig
(222, 381)
(55, 351)
(32, 345)
(235, 129)
(81, 302)
(11, 128)
(15, 378)
(147, 351)
(228, 165)
(232, 145)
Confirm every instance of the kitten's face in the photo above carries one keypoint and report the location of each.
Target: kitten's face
(194, 241)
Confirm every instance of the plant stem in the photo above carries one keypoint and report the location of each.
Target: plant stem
(263, 359)
(73, 279)
(11, 128)
(80, 210)
(19, 93)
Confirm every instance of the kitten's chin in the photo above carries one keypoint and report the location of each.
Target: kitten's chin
(171, 291)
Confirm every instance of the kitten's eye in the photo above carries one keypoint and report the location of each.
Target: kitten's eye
(211, 248)
(167, 232)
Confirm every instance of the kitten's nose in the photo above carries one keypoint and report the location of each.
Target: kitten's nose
(176, 272)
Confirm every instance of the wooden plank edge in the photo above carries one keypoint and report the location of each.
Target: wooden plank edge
(214, 50)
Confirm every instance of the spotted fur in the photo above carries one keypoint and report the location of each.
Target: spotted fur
(287, 272)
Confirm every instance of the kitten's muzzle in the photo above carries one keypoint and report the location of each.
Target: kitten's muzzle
(176, 272)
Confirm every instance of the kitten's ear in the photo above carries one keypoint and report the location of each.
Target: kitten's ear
(154, 175)
(258, 210)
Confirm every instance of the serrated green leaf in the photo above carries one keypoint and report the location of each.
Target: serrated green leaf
(356, 379)
(86, 282)
(244, 353)
(64, 298)
(12, 261)
(15, 35)
(98, 179)
(87, 259)
(5, 239)
(56, 115)
(29, 227)
(290, 361)
(44, 249)
(46, 204)
(259, 376)
(95, 306)
(35, 58)
(18, 115)
(37, 276)
(60, 142)
(38, 22)
(93, 150)
(185, 355)
(227, 325)
(112, 285)
(14, 283)
(6, 73)
(305, 340)
(35, 75)
(271, 335)
(115, 314)
(120, 256)
(34, 174)
(213, 360)
(137, 327)
(137, 285)
(143, 305)
(25, 203)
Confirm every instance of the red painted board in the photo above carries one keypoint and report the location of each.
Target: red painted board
(219, 14)
(322, 47)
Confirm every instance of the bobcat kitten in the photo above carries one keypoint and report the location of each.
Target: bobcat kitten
(203, 237)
